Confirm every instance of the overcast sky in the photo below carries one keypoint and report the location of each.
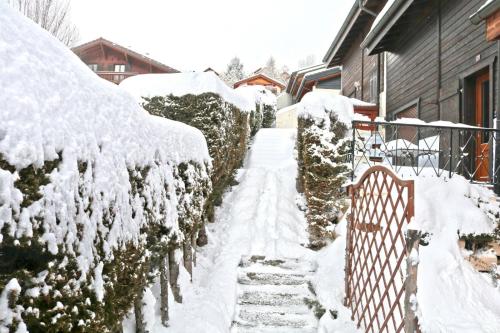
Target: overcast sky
(195, 34)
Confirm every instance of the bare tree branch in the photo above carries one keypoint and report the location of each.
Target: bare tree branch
(52, 15)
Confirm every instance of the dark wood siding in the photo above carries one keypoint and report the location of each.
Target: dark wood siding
(417, 68)
(333, 83)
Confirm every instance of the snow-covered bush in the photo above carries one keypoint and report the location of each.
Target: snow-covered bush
(203, 101)
(323, 147)
(264, 115)
(93, 190)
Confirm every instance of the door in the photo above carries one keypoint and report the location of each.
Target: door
(482, 120)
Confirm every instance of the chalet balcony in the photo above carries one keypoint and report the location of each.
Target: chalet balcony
(412, 147)
(115, 77)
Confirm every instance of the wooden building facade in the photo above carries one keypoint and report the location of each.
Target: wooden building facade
(362, 74)
(116, 63)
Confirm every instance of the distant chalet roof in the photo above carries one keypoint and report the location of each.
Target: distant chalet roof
(104, 42)
(260, 75)
(307, 77)
(210, 69)
(356, 21)
(487, 9)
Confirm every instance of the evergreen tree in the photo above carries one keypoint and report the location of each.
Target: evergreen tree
(234, 72)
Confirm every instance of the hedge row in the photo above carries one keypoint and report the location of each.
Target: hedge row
(226, 128)
(322, 150)
(57, 296)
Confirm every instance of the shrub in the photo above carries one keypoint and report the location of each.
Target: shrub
(226, 128)
(322, 152)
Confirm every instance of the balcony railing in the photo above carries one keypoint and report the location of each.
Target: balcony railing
(115, 77)
(413, 147)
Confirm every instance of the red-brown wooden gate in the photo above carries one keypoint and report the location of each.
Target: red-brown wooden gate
(378, 285)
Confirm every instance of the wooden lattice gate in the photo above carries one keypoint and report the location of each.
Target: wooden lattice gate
(380, 272)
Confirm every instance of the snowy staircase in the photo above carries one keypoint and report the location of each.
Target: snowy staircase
(275, 295)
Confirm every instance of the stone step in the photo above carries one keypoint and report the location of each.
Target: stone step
(254, 318)
(257, 278)
(272, 298)
(271, 329)
(276, 265)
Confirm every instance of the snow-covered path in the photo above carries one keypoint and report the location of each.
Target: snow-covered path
(258, 217)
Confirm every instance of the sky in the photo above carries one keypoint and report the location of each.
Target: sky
(196, 34)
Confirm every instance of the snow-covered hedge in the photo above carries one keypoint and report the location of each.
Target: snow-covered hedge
(323, 146)
(94, 191)
(265, 106)
(202, 100)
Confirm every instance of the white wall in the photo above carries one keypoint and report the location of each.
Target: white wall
(287, 117)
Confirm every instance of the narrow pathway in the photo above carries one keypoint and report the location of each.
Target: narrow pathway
(258, 218)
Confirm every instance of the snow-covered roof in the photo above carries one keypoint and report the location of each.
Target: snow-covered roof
(487, 9)
(180, 84)
(262, 75)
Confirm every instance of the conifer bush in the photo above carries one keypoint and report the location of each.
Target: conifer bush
(56, 295)
(226, 128)
(322, 152)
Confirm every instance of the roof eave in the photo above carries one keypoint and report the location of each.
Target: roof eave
(385, 24)
(342, 34)
(485, 12)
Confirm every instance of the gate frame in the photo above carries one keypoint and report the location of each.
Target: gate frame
(412, 240)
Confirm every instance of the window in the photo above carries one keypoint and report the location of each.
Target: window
(93, 67)
(120, 68)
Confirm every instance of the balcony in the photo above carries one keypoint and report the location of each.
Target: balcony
(115, 77)
(412, 147)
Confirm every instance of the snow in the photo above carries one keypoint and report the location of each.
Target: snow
(317, 105)
(258, 217)
(452, 296)
(7, 314)
(180, 84)
(382, 13)
(258, 94)
(52, 104)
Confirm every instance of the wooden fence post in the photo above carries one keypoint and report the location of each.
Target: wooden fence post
(164, 276)
(188, 256)
(173, 265)
(140, 325)
(412, 242)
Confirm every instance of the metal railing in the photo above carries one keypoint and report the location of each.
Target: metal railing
(427, 149)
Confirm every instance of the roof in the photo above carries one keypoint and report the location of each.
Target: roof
(210, 69)
(101, 41)
(260, 75)
(314, 76)
(487, 9)
(387, 19)
(356, 21)
(300, 72)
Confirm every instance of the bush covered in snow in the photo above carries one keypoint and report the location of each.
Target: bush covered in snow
(265, 106)
(226, 118)
(93, 190)
(323, 147)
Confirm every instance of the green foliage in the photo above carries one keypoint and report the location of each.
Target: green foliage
(322, 152)
(225, 128)
(65, 300)
(269, 116)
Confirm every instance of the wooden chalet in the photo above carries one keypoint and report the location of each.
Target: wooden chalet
(261, 79)
(315, 77)
(116, 63)
(427, 59)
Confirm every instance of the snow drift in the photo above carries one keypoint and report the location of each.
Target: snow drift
(87, 177)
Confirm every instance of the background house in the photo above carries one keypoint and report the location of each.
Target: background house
(115, 63)
(261, 79)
